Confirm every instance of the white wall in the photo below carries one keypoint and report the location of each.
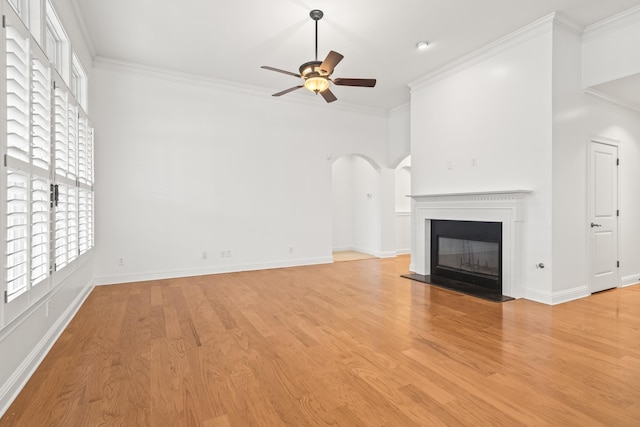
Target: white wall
(570, 147)
(494, 107)
(399, 139)
(403, 206)
(342, 203)
(186, 166)
(609, 49)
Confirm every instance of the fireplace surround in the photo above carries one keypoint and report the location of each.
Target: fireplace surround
(504, 207)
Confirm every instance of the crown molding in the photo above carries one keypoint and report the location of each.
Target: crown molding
(562, 21)
(515, 38)
(400, 109)
(109, 64)
(612, 99)
(612, 24)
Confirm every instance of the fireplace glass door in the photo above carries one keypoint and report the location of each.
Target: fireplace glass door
(468, 252)
(469, 256)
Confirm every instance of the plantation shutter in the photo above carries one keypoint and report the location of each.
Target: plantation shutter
(72, 140)
(17, 93)
(17, 170)
(61, 229)
(72, 223)
(17, 234)
(61, 126)
(41, 165)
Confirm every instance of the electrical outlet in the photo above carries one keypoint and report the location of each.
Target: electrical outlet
(228, 253)
(474, 161)
(222, 254)
(290, 249)
(120, 261)
(205, 255)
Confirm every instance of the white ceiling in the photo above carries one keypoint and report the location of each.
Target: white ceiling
(230, 40)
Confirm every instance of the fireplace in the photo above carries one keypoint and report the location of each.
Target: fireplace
(468, 252)
(505, 208)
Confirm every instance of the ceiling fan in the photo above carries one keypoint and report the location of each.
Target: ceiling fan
(316, 74)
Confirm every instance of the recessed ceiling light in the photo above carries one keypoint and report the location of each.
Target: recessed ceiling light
(422, 45)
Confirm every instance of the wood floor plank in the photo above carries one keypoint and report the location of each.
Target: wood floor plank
(346, 344)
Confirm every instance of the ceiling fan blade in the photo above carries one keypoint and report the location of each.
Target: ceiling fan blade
(277, 70)
(355, 82)
(330, 62)
(291, 89)
(328, 95)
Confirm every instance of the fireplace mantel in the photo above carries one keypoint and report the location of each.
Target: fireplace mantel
(505, 206)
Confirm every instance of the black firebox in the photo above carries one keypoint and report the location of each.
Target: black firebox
(467, 251)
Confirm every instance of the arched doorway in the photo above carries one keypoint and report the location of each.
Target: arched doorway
(356, 208)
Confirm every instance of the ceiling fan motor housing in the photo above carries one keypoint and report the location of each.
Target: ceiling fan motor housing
(312, 69)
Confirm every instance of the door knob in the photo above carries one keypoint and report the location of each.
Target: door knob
(595, 225)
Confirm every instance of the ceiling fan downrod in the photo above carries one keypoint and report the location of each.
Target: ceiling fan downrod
(316, 15)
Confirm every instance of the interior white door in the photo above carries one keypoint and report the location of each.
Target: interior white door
(603, 216)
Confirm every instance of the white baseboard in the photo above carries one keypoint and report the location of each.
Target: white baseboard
(386, 254)
(406, 251)
(631, 280)
(554, 298)
(12, 387)
(220, 269)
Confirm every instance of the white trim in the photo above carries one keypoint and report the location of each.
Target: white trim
(614, 100)
(554, 298)
(631, 280)
(108, 64)
(386, 254)
(562, 21)
(204, 271)
(400, 109)
(515, 38)
(12, 387)
(611, 24)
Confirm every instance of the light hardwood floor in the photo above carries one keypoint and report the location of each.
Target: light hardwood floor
(348, 344)
(350, 256)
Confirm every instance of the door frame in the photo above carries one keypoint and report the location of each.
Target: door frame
(614, 143)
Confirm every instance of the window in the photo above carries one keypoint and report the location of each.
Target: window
(47, 179)
(78, 82)
(56, 43)
(22, 9)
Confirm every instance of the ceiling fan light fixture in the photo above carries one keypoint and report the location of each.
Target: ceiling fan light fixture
(316, 84)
